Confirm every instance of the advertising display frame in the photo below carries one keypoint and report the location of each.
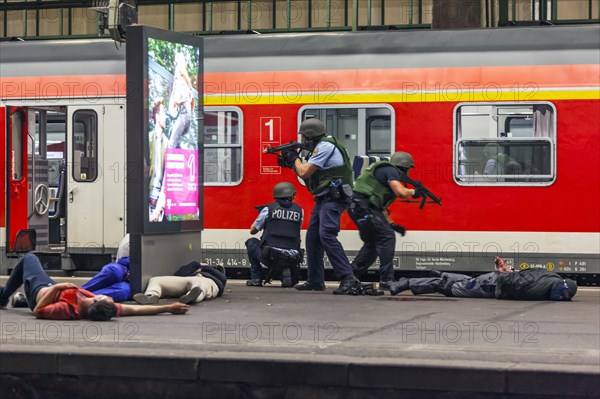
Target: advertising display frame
(180, 162)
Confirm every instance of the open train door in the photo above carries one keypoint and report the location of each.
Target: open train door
(95, 197)
(17, 195)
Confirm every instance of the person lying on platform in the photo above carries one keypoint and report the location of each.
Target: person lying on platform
(192, 283)
(66, 301)
(529, 284)
(112, 280)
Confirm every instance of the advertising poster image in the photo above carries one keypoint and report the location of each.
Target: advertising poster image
(173, 151)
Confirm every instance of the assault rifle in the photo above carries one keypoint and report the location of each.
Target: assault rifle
(291, 146)
(425, 193)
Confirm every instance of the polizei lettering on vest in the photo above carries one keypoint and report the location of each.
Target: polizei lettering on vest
(286, 215)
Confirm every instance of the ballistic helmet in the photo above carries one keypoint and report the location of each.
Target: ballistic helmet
(312, 128)
(284, 190)
(402, 159)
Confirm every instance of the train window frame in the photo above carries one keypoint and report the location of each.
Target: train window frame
(363, 143)
(233, 146)
(523, 175)
(76, 165)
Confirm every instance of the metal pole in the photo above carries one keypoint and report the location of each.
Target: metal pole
(37, 21)
(328, 14)
(24, 23)
(60, 22)
(289, 14)
(503, 13)
(514, 10)
(239, 14)
(210, 14)
(354, 15)
(368, 12)
(410, 12)
(5, 17)
(172, 16)
(249, 27)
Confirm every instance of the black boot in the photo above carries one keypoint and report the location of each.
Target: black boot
(307, 286)
(286, 278)
(385, 285)
(255, 282)
(399, 286)
(346, 285)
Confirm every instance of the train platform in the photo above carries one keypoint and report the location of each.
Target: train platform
(273, 342)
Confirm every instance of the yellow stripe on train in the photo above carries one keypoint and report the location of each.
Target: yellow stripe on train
(492, 94)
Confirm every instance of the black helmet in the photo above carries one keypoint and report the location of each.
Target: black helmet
(402, 159)
(284, 190)
(312, 128)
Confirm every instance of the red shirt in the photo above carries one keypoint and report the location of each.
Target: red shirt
(65, 305)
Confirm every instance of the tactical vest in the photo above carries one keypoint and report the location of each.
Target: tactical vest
(380, 196)
(321, 179)
(282, 228)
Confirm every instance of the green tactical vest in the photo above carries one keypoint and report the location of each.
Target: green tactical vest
(380, 196)
(320, 179)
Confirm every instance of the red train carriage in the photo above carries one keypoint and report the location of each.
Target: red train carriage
(529, 95)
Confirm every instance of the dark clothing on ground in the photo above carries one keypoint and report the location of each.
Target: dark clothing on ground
(534, 284)
(194, 268)
(456, 285)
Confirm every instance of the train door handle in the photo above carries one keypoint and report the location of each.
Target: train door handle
(71, 192)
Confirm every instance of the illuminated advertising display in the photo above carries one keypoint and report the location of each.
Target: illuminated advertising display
(164, 76)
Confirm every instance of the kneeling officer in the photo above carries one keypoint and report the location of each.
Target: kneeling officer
(279, 246)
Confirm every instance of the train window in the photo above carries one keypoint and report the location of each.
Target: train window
(85, 145)
(378, 135)
(50, 132)
(363, 129)
(505, 144)
(223, 127)
(17, 145)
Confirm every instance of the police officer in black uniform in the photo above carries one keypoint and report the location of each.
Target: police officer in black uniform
(328, 176)
(279, 246)
(375, 190)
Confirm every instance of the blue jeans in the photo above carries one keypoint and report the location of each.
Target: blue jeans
(321, 238)
(111, 281)
(30, 273)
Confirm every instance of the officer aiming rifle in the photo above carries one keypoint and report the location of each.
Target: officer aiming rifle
(375, 190)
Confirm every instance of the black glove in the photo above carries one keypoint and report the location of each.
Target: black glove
(398, 229)
(287, 158)
(418, 192)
